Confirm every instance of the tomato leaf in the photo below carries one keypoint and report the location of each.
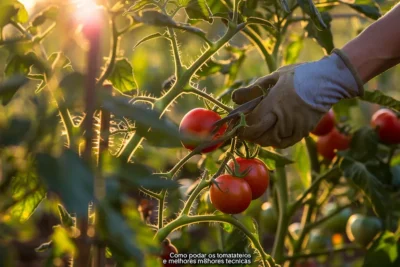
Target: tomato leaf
(74, 184)
(367, 7)
(276, 157)
(323, 37)
(9, 87)
(122, 76)
(360, 177)
(20, 64)
(147, 38)
(12, 10)
(364, 144)
(378, 97)
(309, 8)
(197, 10)
(385, 251)
(254, 20)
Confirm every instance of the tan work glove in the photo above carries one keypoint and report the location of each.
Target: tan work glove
(298, 97)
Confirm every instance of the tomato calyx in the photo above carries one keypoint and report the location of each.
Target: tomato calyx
(236, 169)
(250, 152)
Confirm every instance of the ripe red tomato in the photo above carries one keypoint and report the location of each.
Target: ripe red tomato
(387, 126)
(167, 249)
(335, 140)
(199, 123)
(257, 176)
(325, 125)
(233, 195)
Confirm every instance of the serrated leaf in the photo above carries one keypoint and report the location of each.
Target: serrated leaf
(149, 37)
(364, 144)
(253, 20)
(72, 87)
(358, 175)
(378, 97)
(122, 76)
(69, 177)
(367, 7)
(20, 64)
(66, 219)
(309, 8)
(9, 87)
(323, 37)
(26, 189)
(198, 10)
(302, 163)
(383, 252)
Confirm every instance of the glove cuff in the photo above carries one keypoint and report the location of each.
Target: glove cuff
(351, 68)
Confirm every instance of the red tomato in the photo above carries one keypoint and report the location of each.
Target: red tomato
(167, 249)
(327, 144)
(199, 123)
(387, 126)
(325, 125)
(257, 177)
(233, 195)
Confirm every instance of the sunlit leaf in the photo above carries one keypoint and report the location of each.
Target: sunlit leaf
(62, 243)
(20, 64)
(149, 37)
(364, 144)
(293, 50)
(278, 158)
(383, 252)
(254, 20)
(122, 76)
(302, 163)
(198, 10)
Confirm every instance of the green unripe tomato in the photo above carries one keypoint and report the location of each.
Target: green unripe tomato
(361, 229)
(318, 240)
(268, 218)
(336, 224)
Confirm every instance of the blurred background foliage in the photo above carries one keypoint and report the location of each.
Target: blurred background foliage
(152, 66)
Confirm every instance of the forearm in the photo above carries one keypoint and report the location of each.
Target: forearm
(377, 48)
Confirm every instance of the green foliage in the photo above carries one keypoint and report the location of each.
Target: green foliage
(384, 251)
(367, 7)
(122, 76)
(377, 97)
(323, 37)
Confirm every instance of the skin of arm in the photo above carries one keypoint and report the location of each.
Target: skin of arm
(377, 48)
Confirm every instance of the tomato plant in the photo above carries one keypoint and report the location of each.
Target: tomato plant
(387, 124)
(362, 230)
(107, 149)
(257, 175)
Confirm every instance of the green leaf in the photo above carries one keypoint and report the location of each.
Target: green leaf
(214, 66)
(302, 163)
(367, 7)
(198, 10)
(73, 90)
(378, 97)
(69, 177)
(28, 192)
(61, 242)
(15, 132)
(253, 20)
(20, 64)
(164, 132)
(285, 5)
(12, 10)
(358, 175)
(364, 144)
(9, 87)
(323, 37)
(66, 219)
(22, 15)
(141, 4)
(383, 252)
(293, 50)
(344, 109)
(309, 8)
(122, 76)
(149, 37)
(50, 13)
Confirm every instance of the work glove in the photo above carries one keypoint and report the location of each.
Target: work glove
(297, 97)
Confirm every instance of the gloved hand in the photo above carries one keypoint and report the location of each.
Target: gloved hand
(298, 97)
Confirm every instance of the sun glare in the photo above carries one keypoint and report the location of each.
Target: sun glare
(87, 11)
(29, 4)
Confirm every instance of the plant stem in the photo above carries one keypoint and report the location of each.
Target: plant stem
(209, 98)
(113, 53)
(324, 219)
(161, 208)
(256, 40)
(175, 51)
(312, 154)
(283, 221)
(184, 220)
(188, 205)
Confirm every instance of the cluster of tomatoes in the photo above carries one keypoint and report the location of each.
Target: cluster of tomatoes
(229, 193)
